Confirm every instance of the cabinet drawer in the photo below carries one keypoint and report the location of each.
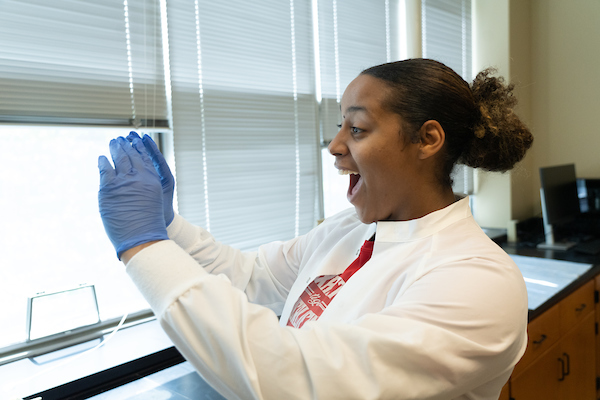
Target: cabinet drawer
(542, 333)
(575, 307)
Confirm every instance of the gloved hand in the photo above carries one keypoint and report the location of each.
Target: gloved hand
(166, 177)
(130, 196)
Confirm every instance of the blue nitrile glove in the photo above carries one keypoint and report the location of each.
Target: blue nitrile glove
(166, 177)
(130, 196)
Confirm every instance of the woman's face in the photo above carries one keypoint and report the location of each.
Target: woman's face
(384, 167)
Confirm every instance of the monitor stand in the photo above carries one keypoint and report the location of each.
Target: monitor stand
(550, 244)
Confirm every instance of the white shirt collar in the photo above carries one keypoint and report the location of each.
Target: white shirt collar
(405, 231)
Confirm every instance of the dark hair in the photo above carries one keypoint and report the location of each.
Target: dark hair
(481, 128)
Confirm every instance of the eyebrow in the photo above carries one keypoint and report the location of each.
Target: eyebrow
(353, 109)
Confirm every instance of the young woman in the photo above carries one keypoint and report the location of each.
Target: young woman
(402, 297)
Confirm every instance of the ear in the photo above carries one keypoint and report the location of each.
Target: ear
(433, 138)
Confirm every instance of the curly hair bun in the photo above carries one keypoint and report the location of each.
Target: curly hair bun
(501, 139)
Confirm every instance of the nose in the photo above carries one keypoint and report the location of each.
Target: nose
(337, 147)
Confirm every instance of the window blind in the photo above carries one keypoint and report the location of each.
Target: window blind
(446, 37)
(244, 118)
(86, 61)
(446, 27)
(353, 35)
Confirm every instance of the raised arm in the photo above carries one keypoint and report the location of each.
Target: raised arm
(433, 342)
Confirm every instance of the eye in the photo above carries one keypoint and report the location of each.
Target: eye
(339, 126)
(355, 130)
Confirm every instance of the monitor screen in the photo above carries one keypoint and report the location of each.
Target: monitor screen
(560, 201)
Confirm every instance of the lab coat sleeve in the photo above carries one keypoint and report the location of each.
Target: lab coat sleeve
(436, 341)
(265, 275)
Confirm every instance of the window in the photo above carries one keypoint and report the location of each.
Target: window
(52, 233)
(247, 92)
(446, 37)
(66, 66)
(343, 52)
(244, 118)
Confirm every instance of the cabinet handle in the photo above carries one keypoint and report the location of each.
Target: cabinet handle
(540, 340)
(568, 364)
(562, 369)
(580, 308)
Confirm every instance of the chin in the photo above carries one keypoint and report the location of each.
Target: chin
(364, 218)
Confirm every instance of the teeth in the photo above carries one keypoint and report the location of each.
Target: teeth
(347, 172)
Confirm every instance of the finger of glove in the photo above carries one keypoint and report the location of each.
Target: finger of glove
(157, 158)
(120, 157)
(107, 173)
(135, 158)
(132, 135)
(141, 150)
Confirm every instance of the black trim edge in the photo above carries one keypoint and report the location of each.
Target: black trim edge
(111, 378)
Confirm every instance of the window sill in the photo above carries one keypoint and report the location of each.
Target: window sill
(29, 376)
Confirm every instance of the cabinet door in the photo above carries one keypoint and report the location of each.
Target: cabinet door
(578, 353)
(504, 394)
(540, 380)
(542, 333)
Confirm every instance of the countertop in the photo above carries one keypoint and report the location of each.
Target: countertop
(551, 275)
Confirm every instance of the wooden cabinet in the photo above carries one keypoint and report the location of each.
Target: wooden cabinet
(505, 394)
(542, 333)
(579, 357)
(539, 381)
(560, 361)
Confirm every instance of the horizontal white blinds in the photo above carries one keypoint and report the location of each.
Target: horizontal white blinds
(244, 118)
(446, 26)
(65, 61)
(446, 37)
(352, 37)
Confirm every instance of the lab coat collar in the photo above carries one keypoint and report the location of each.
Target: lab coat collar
(406, 231)
(388, 234)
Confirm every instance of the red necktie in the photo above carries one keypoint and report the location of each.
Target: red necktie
(317, 296)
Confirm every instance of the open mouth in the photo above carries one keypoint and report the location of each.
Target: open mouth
(355, 181)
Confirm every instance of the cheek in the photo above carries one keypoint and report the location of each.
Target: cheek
(384, 168)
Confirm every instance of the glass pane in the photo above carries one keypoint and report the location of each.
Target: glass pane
(53, 313)
(52, 235)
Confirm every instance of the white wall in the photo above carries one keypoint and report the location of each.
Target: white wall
(492, 203)
(523, 197)
(565, 88)
(551, 50)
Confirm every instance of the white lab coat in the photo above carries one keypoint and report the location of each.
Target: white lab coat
(438, 312)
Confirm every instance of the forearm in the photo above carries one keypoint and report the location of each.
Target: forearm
(128, 254)
(247, 270)
(388, 356)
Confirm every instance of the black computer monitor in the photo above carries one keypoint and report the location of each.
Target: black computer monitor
(560, 201)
